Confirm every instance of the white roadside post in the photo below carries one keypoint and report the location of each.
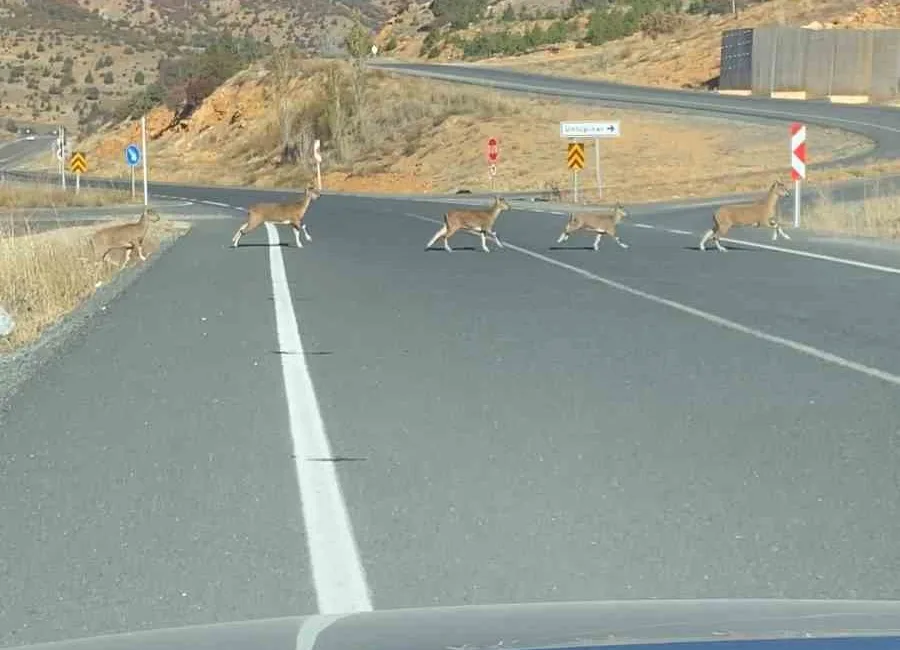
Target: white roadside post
(493, 155)
(62, 150)
(144, 157)
(798, 164)
(587, 130)
(317, 154)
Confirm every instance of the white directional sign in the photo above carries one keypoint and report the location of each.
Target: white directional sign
(573, 130)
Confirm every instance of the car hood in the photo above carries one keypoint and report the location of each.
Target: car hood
(785, 624)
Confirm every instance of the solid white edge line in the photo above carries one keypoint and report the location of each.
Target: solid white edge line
(338, 574)
(312, 627)
(710, 318)
(816, 256)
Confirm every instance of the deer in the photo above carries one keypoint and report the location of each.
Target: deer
(747, 214)
(129, 236)
(598, 222)
(477, 222)
(281, 213)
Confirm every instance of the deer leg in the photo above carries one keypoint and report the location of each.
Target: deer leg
(496, 239)
(305, 231)
(140, 250)
(719, 244)
(782, 233)
(620, 242)
(127, 257)
(448, 233)
(296, 230)
(441, 231)
(597, 240)
(484, 242)
(563, 236)
(238, 234)
(706, 237)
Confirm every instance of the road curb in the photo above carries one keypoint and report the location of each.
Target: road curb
(18, 367)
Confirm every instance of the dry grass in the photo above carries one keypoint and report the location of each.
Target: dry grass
(25, 195)
(418, 135)
(875, 216)
(44, 276)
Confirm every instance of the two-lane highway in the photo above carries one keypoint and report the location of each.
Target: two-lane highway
(362, 423)
(502, 427)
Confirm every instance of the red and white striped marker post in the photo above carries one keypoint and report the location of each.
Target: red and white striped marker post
(798, 164)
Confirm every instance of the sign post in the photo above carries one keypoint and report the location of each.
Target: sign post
(596, 131)
(493, 155)
(78, 165)
(132, 158)
(61, 155)
(144, 156)
(317, 154)
(798, 164)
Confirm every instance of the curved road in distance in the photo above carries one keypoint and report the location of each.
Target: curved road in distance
(882, 125)
(538, 423)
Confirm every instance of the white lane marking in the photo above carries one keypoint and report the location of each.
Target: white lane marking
(800, 253)
(312, 627)
(818, 256)
(216, 203)
(338, 573)
(711, 318)
(643, 225)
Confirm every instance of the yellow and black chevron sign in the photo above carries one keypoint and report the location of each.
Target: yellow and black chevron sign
(575, 158)
(78, 163)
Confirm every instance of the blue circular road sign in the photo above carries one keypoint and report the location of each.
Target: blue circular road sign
(132, 155)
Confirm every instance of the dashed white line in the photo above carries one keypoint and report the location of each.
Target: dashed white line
(711, 318)
(338, 574)
(678, 232)
(643, 225)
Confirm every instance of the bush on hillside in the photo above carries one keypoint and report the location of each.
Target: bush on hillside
(624, 19)
(505, 42)
(458, 13)
(657, 23)
(183, 82)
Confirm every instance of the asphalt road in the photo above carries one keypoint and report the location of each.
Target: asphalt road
(16, 151)
(503, 427)
(539, 423)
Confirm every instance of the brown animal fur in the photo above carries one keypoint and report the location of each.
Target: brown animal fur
(477, 222)
(129, 236)
(747, 214)
(291, 214)
(601, 223)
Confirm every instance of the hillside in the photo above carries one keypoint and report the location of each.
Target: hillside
(384, 133)
(657, 43)
(229, 116)
(74, 61)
